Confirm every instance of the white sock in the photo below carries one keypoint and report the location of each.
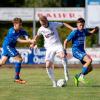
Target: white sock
(81, 76)
(50, 72)
(64, 62)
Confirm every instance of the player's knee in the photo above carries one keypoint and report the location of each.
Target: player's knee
(90, 68)
(48, 64)
(19, 59)
(89, 61)
(2, 62)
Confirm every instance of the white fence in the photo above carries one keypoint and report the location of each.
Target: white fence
(29, 14)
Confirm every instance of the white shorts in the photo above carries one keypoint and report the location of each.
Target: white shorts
(52, 51)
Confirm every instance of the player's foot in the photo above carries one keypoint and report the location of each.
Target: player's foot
(82, 80)
(20, 81)
(54, 84)
(76, 80)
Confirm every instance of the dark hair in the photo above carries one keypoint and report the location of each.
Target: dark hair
(17, 20)
(80, 20)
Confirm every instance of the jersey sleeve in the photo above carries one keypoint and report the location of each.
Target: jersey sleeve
(86, 32)
(57, 24)
(10, 36)
(25, 34)
(71, 35)
(11, 33)
(39, 32)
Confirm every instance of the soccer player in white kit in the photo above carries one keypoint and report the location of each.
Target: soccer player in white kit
(53, 46)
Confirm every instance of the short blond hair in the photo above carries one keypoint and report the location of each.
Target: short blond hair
(42, 18)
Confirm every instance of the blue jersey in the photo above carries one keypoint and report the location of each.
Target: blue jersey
(12, 36)
(8, 48)
(78, 38)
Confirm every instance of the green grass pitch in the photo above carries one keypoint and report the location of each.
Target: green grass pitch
(39, 87)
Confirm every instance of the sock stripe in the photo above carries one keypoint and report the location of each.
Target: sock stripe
(17, 73)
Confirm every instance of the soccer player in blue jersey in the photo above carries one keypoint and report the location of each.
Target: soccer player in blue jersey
(9, 44)
(77, 37)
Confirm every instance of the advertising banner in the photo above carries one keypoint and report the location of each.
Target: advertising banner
(31, 14)
(60, 14)
(37, 56)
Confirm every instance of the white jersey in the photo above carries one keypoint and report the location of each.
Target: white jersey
(50, 34)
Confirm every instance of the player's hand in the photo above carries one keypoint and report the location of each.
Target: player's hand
(96, 29)
(33, 46)
(32, 41)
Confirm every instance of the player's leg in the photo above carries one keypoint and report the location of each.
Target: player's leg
(90, 67)
(79, 54)
(60, 53)
(12, 52)
(4, 56)
(3, 60)
(49, 66)
(18, 62)
(86, 65)
(50, 72)
(85, 69)
(64, 63)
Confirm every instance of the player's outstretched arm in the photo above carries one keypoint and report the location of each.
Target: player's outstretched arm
(69, 26)
(25, 41)
(35, 38)
(94, 30)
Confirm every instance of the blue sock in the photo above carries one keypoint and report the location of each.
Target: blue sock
(84, 70)
(17, 70)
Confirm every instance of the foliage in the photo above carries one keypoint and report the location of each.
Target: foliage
(11, 3)
(63, 33)
(5, 27)
(42, 3)
(30, 3)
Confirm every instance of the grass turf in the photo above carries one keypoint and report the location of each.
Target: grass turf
(39, 87)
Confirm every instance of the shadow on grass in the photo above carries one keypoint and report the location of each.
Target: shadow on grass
(96, 85)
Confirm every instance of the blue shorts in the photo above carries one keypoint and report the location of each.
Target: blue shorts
(79, 54)
(9, 51)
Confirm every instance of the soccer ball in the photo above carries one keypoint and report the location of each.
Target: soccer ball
(61, 82)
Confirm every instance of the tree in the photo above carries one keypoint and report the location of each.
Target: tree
(42, 3)
(11, 3)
